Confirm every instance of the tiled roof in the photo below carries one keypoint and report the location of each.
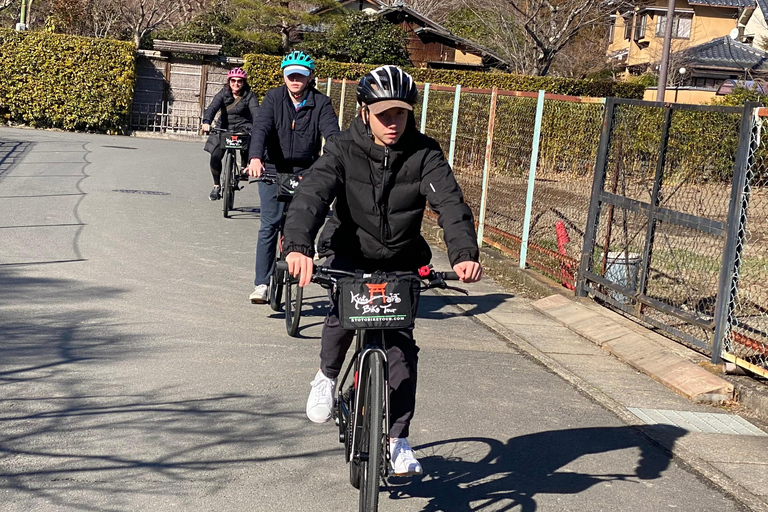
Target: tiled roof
(724, 52)
(723, 3)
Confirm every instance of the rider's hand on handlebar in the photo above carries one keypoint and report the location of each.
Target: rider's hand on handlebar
(301, 266)
(206, 128)
(468, 271)
(255, 168)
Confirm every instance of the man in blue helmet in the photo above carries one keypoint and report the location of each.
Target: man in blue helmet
(286, 140)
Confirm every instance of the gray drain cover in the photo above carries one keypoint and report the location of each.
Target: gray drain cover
(142, 192)
(707, 422)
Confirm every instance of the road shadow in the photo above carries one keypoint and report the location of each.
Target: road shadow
(12, 152)
(48, 325)
(433, 306)
(71, 435)
(474, 474)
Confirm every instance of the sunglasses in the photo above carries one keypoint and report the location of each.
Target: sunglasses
(236, 80)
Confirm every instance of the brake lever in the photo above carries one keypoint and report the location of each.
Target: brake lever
(457, 289)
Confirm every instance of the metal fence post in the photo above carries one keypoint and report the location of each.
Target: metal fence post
(454, 124)
(328, 87)
(341, 104)
(727, 281)
(593, 217)
(532, 178)
(487, 166)
(424, 105)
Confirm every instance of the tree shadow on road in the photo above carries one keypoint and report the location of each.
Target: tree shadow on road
(72, 438)
(473, 474)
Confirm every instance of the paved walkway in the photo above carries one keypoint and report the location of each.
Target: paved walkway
(656, 381)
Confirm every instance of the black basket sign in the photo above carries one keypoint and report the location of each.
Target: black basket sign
(236, 142)
(287, 183)
(375, 303)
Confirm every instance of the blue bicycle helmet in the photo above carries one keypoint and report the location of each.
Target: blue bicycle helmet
(298, 58)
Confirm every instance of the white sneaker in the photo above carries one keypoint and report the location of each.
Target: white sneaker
(320, 402)
(259, 295)
(404, 463)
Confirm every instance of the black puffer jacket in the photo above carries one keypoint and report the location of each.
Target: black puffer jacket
(380, 193)
(288, 140)
(239, 117)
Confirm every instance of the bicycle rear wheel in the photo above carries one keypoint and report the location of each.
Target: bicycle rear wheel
(294, 295)
(371, 442)
(229, 184)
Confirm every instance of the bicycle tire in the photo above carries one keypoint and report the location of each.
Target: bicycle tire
(371, 435)
(228, 194)
(276, 289)
(294, 295)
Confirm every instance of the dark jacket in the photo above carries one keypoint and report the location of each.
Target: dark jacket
(287, 140)
(381, 193)
(238, 118)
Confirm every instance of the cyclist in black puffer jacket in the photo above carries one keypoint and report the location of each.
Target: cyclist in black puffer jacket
(238, 106)
(381, 172)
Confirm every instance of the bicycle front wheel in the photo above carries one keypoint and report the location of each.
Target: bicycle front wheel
(229, 184)
(371, 443)
(294, 295)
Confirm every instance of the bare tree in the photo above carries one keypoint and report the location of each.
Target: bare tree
(532, 32)
(93, 18)
(435, 9)
(4, 4)
(142, 17)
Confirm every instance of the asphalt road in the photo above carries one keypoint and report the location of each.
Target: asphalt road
(135, 374)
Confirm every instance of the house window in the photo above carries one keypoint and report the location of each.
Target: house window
(681, 26)
(611, 29)
(640, 27)
(627, 27)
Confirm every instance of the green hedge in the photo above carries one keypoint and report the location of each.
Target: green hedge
(75, 83)
(264, 71)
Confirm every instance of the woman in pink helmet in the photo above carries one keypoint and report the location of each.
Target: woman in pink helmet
(238, 106)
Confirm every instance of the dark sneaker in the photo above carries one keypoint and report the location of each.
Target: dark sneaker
(215, 194)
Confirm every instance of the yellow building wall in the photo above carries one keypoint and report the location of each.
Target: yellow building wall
(708, 23)
(682, 96)
(467, 58)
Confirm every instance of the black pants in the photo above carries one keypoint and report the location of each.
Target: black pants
(402, 355)
(216, 157)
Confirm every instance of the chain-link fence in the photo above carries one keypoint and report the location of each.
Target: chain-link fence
(746, 331)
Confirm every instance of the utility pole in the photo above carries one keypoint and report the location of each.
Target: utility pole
(661, 89)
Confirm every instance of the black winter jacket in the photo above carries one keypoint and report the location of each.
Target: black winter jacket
(239, 117)
(381, 193)
(287, 140)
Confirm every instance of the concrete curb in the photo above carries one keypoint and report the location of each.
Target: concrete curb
(638, 351)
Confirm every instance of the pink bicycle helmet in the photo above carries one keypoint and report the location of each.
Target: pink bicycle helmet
(237, 73)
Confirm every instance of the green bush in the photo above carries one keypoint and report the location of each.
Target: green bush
(70, 82)
(264, 71)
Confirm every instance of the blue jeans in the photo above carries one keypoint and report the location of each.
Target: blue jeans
(271, 217)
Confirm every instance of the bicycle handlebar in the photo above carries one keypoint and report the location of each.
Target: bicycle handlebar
(225, 130)
(328, 276)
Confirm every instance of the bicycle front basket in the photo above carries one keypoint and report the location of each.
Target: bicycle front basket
(236, 141)
(376, 302)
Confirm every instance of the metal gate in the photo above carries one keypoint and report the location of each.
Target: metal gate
(658, 243)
